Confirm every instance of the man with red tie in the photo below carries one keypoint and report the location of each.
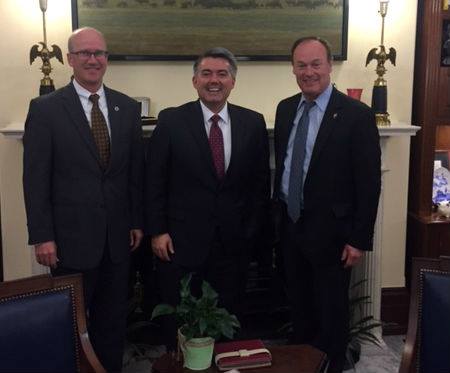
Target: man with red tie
(207, 186)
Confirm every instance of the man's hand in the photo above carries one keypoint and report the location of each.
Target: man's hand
(162, 246)
(351, 256)
(46, 253)
(135, 238)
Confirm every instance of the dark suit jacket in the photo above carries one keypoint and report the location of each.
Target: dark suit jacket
(342, 185)
(68, 198)
(185, 197)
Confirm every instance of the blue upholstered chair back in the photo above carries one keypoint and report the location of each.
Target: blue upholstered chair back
(434, 322)
(38, 332)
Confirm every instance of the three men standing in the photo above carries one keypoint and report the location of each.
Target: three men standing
(83, 185)
(207, 186)
(326, 190)
(207, 190)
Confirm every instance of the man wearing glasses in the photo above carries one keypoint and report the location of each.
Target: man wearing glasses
(83, 188)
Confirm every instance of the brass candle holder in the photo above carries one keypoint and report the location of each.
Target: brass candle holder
(379, 91)
(46, 55)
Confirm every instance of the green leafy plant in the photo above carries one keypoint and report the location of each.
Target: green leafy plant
(199, 317)
(361, 326)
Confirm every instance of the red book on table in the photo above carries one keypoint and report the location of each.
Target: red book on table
(241, 355)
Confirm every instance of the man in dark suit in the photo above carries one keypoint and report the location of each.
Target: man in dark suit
(326, 190)
(82, 180)
(208, 186)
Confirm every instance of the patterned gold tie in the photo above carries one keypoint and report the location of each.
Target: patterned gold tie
(100, 131)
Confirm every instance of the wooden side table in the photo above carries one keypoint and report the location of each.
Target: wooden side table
(285, 359)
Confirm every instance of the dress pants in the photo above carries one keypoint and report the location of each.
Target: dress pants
(226, 272)
(105, 297)
(318, 294)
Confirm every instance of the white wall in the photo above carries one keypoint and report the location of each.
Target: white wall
(260, 85)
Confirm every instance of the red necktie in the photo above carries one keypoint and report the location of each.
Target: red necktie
(216, 145)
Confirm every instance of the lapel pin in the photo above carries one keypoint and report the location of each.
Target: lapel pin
(116, 108)
(335, 115)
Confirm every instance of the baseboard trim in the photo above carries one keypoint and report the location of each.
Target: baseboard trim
(394, 310)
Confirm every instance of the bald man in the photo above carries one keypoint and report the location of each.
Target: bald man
(83, 188)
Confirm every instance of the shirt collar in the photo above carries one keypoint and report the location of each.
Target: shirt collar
(83, 92)
(322, 100)
(207, 114)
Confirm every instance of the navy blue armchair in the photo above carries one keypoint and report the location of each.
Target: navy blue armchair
(427, 347)
(43, 327)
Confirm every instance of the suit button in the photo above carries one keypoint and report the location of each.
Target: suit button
(102, 205)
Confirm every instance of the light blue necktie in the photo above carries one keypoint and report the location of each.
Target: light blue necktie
(298, 158)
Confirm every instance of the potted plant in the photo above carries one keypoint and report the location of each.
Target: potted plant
(361, 326)
(200, 322)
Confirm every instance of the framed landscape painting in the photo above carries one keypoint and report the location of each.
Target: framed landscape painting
(183, 29)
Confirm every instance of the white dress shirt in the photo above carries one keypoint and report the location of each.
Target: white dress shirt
(84, 95)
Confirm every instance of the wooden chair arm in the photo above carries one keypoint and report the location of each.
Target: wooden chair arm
(89, 360)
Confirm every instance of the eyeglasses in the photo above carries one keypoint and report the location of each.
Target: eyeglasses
(85, 55)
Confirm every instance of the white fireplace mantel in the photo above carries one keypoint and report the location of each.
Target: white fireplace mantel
(370, 268)
(12, 131)
(15, 130)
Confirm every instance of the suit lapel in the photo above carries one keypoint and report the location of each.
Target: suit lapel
(114, 116)
(196, 123)
(285, 130)
(237, 139)
(76, 113)
(329, 121)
